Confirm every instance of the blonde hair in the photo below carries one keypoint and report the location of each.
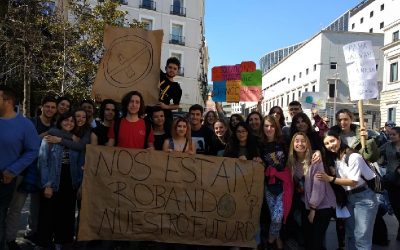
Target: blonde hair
(293, 158)
(188, 135)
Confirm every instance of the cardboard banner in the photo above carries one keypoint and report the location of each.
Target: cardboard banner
(243, 82)
(313, 100)
(361, 70)
(131, 62)
(151, 195)
(219, 91)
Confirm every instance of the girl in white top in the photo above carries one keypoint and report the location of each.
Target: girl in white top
(351, 174)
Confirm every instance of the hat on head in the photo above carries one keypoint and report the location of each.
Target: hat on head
(390, 124)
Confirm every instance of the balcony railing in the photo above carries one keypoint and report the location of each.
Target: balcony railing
(176, 39)
(181, 71)
(146, 4)
(177, 10)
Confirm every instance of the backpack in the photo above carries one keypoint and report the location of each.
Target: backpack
(117, 125)
(376, 184)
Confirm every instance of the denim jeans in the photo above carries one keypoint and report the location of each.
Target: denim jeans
(15, 209)
(363, 207)
(6, 192)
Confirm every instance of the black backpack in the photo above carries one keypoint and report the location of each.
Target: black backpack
(117, 125)
(376, 184)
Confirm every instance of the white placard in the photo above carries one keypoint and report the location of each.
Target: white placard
(361, 70)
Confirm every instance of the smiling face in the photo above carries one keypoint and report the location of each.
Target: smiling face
(300, 144)
(219, 129)
(195, 118)
(269, 130)
(210, 118)
(80, 117)
(134, 105)
(49, 109)
(332, 143)
(254, 122)
(171, 70)
(68, 124)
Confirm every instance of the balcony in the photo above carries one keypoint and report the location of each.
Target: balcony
(146, 4)
(181, 71)
(177, 10)
(176, 39)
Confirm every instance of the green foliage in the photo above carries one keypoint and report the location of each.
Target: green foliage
(49, 52)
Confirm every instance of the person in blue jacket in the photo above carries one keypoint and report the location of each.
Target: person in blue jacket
(19, 144)
(60, 178)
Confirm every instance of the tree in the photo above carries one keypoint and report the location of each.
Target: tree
(40, 50)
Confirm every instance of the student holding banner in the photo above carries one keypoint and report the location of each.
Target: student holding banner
(131, 131)
(181, 140)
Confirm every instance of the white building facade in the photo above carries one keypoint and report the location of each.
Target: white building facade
(390, 101)
(317, 66)
(183, 24)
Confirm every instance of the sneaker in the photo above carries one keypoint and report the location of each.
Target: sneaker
(13, 245)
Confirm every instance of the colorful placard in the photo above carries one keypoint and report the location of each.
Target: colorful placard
(242, 82)
(313, 100)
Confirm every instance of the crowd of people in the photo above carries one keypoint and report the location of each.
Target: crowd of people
(313, 172)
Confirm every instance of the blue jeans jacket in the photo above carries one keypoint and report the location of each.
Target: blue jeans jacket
(50, 163)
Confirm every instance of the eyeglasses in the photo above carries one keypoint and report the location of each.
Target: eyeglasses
(294, 109)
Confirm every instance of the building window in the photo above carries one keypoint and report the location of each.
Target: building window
(315, 67)
(147, 4)
(371, 14)
(371, 30)
(382, 7)
(299, 74)
(293, 96)
(394, 72)
(282, 101)
(299, 93)
(148, 23)
(313, 88)
(288, 80)
(307, 71)
(294, 78)
(361, 19)
(392, 114)
(381, 25)
(306, 90)
(333, 65)
(177, 8)
(353, 25)
(287, 100)
(331, 90)
(395, 36)
(177, 34)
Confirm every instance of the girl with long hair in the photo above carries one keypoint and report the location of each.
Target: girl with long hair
(318, 198)
(278, 183)
(181, 140)
(352, 172)
(277, 113)
(254, 120)
(220, 138)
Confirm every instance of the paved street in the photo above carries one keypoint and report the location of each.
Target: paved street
(331, 235)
